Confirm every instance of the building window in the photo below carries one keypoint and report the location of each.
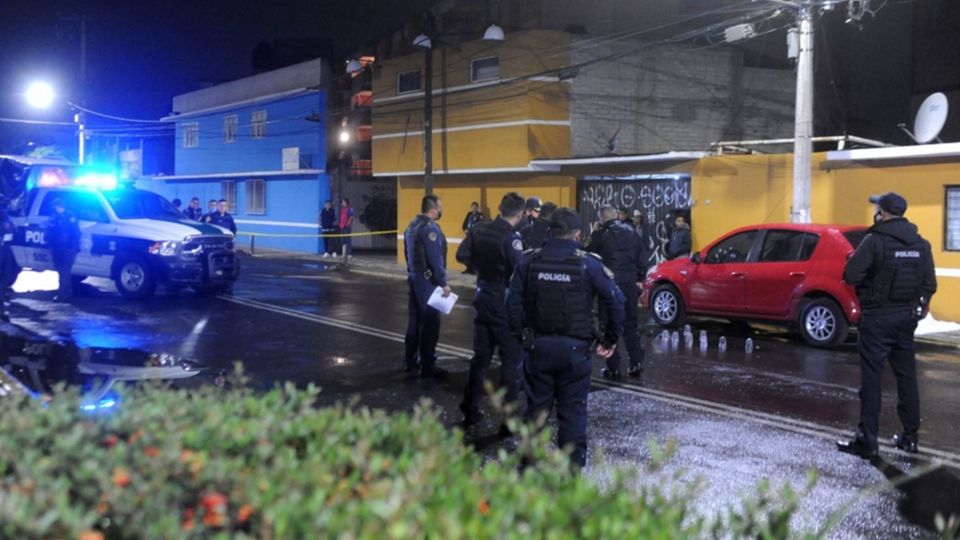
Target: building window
(952, 218)
(408, 81)
(191, 135)
(484, 69)
(258, 124)
(228, 191)
(230, 128)
(256, 197)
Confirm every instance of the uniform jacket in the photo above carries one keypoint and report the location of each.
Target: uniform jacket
(224, 220)
(195, 214)
(618, 246)
(425, 249)
(63, 232)
(471, 220)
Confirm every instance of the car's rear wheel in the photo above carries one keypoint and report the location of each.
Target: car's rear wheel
(823, 324)
(134, 278)
(666, 306)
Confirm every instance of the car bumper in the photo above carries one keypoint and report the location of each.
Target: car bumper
(208, 269)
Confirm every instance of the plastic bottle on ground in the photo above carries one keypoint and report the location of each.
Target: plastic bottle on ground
(723, 344)
(703, 340)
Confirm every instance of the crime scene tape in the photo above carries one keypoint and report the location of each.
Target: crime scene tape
(338, 235)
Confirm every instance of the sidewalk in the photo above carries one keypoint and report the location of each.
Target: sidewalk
(386, 265)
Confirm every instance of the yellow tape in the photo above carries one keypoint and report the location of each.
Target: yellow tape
(278, 235)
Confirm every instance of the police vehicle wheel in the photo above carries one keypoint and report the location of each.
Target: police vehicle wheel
(134, 279)
(666, 306)
(823, 324)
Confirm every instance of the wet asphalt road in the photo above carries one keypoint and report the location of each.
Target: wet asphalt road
(737, 418)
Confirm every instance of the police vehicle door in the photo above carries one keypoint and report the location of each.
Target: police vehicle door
(30, 244)
(88, 208)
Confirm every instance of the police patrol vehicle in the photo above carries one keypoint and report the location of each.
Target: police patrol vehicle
(135, 237)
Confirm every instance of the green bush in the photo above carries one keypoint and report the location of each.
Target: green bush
(215, 463)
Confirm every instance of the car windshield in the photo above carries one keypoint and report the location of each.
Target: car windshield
(855, 237)
(134, 204)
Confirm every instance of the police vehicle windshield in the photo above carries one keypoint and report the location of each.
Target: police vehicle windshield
(137, 204)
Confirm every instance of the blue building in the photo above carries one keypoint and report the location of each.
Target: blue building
(260, 143)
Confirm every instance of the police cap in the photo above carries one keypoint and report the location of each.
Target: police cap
(890, 202)
(564, 220)
(533, 203)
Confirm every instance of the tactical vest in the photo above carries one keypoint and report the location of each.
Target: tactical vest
(487, 253)
(415, 251)
(898, 279)
(556, 296)
(619, 251)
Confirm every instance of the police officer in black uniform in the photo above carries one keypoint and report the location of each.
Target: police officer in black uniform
(63, 235)
(619, 247)
(535, 235)
(531, 212)
(494, 249)
(894, 276)
(425, 248)
(551, 301)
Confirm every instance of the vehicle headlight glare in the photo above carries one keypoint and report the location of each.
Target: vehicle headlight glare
(164, 249)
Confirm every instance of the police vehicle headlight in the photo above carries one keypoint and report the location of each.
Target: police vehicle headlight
(164, 249)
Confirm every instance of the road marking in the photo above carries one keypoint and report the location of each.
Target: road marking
(773, 420)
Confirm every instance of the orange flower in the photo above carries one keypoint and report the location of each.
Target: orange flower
(483, 507)
(121, 478)
(151, 451)
(135, 437)
(244, 513)
(102, 507)
(188, 518)
(110, 440)
(214, 506)
(90, 535)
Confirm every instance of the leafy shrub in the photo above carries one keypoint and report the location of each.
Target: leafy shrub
(215, 463)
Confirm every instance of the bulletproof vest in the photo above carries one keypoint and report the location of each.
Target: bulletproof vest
(556, 296)
(415, 251)
(487, 253)
(619, 251)
(899, 277)
(535, 235)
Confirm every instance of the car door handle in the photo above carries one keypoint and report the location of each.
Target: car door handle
(736, 274)
(798, 274)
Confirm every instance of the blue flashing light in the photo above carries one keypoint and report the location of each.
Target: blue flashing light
(97, 180)
(104, 404)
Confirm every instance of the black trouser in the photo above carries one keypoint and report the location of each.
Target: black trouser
(492, 331)
(330, 245)
(423, 323)
(888, 335)
(631, 333)
(558, 371)
(63, 262)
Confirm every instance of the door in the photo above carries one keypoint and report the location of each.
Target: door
(778, 274)
(717, 284)
(88, 208)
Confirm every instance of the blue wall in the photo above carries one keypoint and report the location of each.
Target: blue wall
(286, 127)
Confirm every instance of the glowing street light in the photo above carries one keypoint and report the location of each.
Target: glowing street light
(40, 95)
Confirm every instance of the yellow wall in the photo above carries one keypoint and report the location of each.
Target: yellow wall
(456, 194)
(733, 191)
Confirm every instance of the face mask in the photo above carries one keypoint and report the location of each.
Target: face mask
(878, 217)
(439, 215)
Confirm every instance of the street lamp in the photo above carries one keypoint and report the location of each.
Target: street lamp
(41, 95)
(424, 41)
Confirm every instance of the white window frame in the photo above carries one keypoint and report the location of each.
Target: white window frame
(258, 124)
(251, 186)
(474, 61)
(228, 191)
(191, 135)
(951, 218)
(419, 81)
(230, 123)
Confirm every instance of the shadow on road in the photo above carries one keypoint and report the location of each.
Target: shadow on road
(925, 496)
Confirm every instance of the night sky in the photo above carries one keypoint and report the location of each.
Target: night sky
(141, 54)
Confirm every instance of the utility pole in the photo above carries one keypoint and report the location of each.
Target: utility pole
(803, 116)
(428, 121)
(79, 94)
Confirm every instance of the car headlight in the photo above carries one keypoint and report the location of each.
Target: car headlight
(164, 249)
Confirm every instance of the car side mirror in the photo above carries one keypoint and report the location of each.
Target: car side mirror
(695, 258)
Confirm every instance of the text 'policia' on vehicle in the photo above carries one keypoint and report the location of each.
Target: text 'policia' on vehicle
(132, 236)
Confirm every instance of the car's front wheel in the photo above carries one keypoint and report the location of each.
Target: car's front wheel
(666, 306)
(134, 277)
(823, 324)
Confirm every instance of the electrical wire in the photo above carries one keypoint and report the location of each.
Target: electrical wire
(112, 117)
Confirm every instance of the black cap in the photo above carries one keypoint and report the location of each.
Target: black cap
(533, 203)
(565, 219)
(890, 202)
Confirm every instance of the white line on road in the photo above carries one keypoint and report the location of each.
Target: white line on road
(786, 423)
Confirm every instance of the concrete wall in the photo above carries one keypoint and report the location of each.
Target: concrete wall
(673, 98)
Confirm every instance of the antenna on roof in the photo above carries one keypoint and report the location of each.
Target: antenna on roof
(930, 119)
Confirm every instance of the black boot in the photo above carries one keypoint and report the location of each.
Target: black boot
(858, 446)
(906, 443)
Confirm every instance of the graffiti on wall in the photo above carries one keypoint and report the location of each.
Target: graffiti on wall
(657, 197)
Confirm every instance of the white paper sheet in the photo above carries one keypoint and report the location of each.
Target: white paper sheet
(441, 304)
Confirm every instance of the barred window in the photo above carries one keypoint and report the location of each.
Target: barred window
(258, 124)
(228, 191)
(951, 210)
(230, 128)
(256, 197)
(191, 135)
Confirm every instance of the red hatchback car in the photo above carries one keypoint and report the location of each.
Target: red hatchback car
(786, 273)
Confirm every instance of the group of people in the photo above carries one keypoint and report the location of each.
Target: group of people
(216, 213)
(537, 288)
(336, 228)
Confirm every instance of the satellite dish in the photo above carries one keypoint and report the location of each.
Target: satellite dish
(930, 118)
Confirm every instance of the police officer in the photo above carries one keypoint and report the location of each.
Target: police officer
(619, 247)
(425, 249)
(535, 235)
(894, 276)
(551, 301)
(531, 211)
(494, 249)
(221, 218)
(63, 234)
(8, 264)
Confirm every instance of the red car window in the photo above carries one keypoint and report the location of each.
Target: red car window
(788, 246)
(735, 249)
